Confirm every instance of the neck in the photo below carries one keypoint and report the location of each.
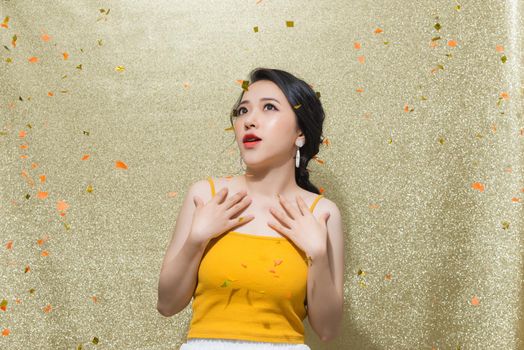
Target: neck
(267, 183)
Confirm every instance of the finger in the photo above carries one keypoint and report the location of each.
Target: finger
(243, 219)
(292, 212)
(237, 207)
(281, 229)
(236, 198)
(220, 195)
(302, 205)
(281, 217)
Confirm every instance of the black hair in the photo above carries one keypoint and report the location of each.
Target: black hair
(308, 112)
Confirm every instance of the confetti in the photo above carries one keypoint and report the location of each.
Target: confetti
(4, 23)
(478, 186)
(120, 165)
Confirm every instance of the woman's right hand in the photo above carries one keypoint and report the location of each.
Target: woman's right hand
(212, 219)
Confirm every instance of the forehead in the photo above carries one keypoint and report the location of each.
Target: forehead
(263, 88)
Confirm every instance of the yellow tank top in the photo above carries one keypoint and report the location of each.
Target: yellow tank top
(251, 287)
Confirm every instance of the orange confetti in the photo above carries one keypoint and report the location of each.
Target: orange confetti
(42, 195)
(86, 156)
(504, 95)
(49, 93)
(27, 269)
(172, 194)
(326, 141)
(361, 59)
(5, 332)
(360, 90)
(42, 178)
(21, 134)
(44, 253)
(321, 190)
(499, 48)
(34, 165)
(9, 244)
(94, 298)
(62, 206)
(25, 146)
(47, 308)
(120, 164)
(478, 186)
(378, 31)
(278, 262)
(318, 160)
(452, 43)
(356, 45)
(4, 23)
(515, 200)
(475, 301)
(65, 55)
(45, 37)
(33, 59)
(272, 271)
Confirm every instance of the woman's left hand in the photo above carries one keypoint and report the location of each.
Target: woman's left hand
(301, 226)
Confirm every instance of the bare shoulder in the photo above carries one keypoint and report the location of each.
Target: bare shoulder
(202, 188)
(325, 204)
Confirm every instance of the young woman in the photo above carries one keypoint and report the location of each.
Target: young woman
(251, 275)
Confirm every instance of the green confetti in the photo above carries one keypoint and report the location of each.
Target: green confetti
(79, 66)
(3, 303)
(95, 340)
(255, 29)
(226, 283)
(245, 84)
(504, 59)
(437, 26)
(318, 94)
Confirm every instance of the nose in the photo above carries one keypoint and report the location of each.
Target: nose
(249, 119)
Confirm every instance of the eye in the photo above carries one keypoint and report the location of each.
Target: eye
(267, 104)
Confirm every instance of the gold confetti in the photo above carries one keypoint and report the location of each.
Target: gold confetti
(290, 23)
(119, 68)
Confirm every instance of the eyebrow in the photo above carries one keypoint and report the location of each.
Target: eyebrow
(262, 99)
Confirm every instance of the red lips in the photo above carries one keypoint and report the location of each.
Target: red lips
(250, 137)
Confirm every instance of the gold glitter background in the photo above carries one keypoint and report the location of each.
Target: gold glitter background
(110, 110)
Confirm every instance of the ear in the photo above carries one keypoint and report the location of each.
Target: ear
(301, 137)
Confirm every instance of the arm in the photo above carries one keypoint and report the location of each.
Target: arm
(325, 293)
(179, 272)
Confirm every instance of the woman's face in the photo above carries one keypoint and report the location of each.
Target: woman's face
(265, 112)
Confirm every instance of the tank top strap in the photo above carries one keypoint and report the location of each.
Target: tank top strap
(210, 179)
(315, 202)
